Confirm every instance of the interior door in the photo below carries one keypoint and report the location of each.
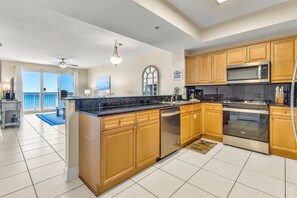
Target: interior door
(31, 91)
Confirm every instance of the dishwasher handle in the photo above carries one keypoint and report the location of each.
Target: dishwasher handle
(170, 114)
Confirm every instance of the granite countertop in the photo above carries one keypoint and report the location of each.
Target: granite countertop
(127, 109)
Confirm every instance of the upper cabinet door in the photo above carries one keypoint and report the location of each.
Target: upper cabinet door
(283, 57)
(260, 52)
(237, 56)
(219, 62)
(191, 70)
(204, 69)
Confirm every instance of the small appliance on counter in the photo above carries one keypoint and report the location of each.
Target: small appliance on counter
(194, 93)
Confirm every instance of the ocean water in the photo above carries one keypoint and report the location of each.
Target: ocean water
(32, 100)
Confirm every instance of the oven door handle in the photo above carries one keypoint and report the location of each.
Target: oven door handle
(245, 110)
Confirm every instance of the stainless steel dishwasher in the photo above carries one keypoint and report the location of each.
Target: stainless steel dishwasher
(170, 131)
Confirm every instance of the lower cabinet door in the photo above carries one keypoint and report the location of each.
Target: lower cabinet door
(147, 142)
(186, 125)
(117, 154)
(213, 123)
(281, 134)
(197, 123)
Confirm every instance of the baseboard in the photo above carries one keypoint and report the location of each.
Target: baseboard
(218, 139)
(283, 153)
(71, 174)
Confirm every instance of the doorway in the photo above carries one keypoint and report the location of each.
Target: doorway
(42, 90)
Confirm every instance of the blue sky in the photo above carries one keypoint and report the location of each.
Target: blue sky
(31, 82)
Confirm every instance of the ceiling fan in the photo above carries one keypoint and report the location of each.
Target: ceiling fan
(64, 64)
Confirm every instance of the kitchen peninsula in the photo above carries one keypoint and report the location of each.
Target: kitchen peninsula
(111, 139)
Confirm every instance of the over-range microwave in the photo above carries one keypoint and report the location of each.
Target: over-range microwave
(256, 72)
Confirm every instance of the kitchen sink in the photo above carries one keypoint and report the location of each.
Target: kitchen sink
(180, 102)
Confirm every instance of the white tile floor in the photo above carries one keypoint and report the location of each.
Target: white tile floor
(31, 164)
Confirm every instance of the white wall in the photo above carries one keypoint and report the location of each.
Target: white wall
(8, 71)
(126, 78)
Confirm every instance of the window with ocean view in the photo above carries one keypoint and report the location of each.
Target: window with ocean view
(34, 100)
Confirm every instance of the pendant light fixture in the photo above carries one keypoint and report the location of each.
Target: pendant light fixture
(116, 59)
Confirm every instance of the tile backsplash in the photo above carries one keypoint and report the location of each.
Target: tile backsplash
(245, 92)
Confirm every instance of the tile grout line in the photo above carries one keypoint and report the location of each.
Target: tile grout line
(16, 191)
(26, 166)
(45, 165)
(256, 189)
(186, 182)
(146, 189)
(70, 191)
(248, 185)
(46, 140)
(239, 174)
(117, 186)
(253, 187)
(285, 165)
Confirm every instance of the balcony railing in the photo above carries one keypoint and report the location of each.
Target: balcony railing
(32, 100)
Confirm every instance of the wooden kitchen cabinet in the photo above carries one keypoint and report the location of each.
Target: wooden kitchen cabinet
(190, 122)
(282, 138)
(117, 154)
(251, 53)
(219, 63)
(213, 120)
(147, 142)
(283, 58)
(237, 56)
(186, 127)
(204, 69)
(114, 148)
(191, 70)
(116, 121)
(259, 52)
(210, 69)
(197, 123)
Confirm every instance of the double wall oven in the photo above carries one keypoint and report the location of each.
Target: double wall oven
(246, 125)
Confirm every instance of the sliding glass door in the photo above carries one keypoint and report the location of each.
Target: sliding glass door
(31, 91)
(43, 91)
(50, 91)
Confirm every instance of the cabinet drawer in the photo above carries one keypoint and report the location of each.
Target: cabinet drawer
(210, 106)
(284, 111)
(186, 108)
(10, 106)
(111, 122)
(145, 116)
(197, 107)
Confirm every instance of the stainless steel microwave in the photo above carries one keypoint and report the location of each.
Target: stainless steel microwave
(256, 72)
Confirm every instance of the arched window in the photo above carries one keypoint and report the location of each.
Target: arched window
(150, 81)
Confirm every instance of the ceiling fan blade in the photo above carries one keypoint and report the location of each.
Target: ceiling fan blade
(71, 65)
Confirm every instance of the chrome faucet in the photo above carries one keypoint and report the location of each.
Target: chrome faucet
(172, 96)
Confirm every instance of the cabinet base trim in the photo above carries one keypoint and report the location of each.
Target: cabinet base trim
(71, 173)
(214, 138)
(253, 145)
(283, 153)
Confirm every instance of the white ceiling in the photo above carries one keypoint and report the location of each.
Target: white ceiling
(30, 33)
(84, 30)
(206, 12)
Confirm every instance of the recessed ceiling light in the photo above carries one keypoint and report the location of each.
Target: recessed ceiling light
(221, 1)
